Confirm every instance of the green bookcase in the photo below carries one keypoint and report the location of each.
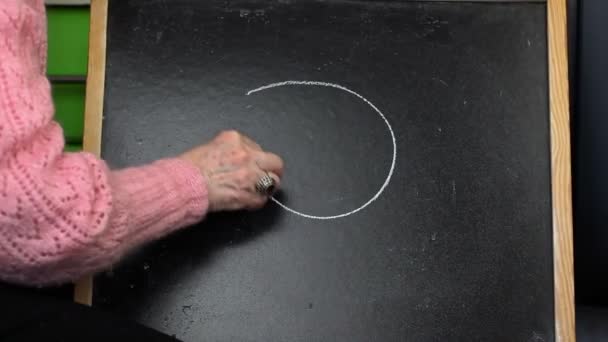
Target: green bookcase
(68, 37)
(69, 109)
(68, 34)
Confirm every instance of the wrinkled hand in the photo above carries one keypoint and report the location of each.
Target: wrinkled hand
(232, 165)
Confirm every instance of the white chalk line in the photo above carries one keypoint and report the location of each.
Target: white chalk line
(388, 125)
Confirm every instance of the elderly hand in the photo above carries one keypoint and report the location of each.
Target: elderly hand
(232, 165)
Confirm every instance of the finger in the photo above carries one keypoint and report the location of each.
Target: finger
(277, 181)
(250, 143)
(270, 162)
(254, 201)
(228, 135)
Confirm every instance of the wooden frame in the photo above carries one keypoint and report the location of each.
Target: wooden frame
(560, 150)
(93, 110)
(561, 178)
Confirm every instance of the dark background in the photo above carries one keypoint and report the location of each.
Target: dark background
(457, 248)
(590, 123)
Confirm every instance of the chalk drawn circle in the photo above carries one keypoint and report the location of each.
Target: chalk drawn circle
(388, 125)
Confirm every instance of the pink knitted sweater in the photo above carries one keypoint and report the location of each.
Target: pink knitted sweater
(66, 215)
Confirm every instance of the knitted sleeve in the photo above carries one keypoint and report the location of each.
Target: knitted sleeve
(66, 215)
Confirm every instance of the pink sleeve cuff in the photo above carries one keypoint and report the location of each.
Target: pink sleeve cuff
(158, 199)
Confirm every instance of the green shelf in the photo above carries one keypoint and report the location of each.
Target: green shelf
(68, 40)
(69, 109)
(68, 44)
(73, 148)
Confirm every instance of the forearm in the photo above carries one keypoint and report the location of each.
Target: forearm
(65, 215)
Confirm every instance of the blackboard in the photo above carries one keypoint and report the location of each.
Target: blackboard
(458, 247)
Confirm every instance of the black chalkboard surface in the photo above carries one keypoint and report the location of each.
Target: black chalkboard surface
(458, 245)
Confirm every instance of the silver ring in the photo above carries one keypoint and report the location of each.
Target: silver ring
(265, 185)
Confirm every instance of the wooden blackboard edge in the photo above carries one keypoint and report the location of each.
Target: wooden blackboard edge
(93, 110)
(561, 181)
